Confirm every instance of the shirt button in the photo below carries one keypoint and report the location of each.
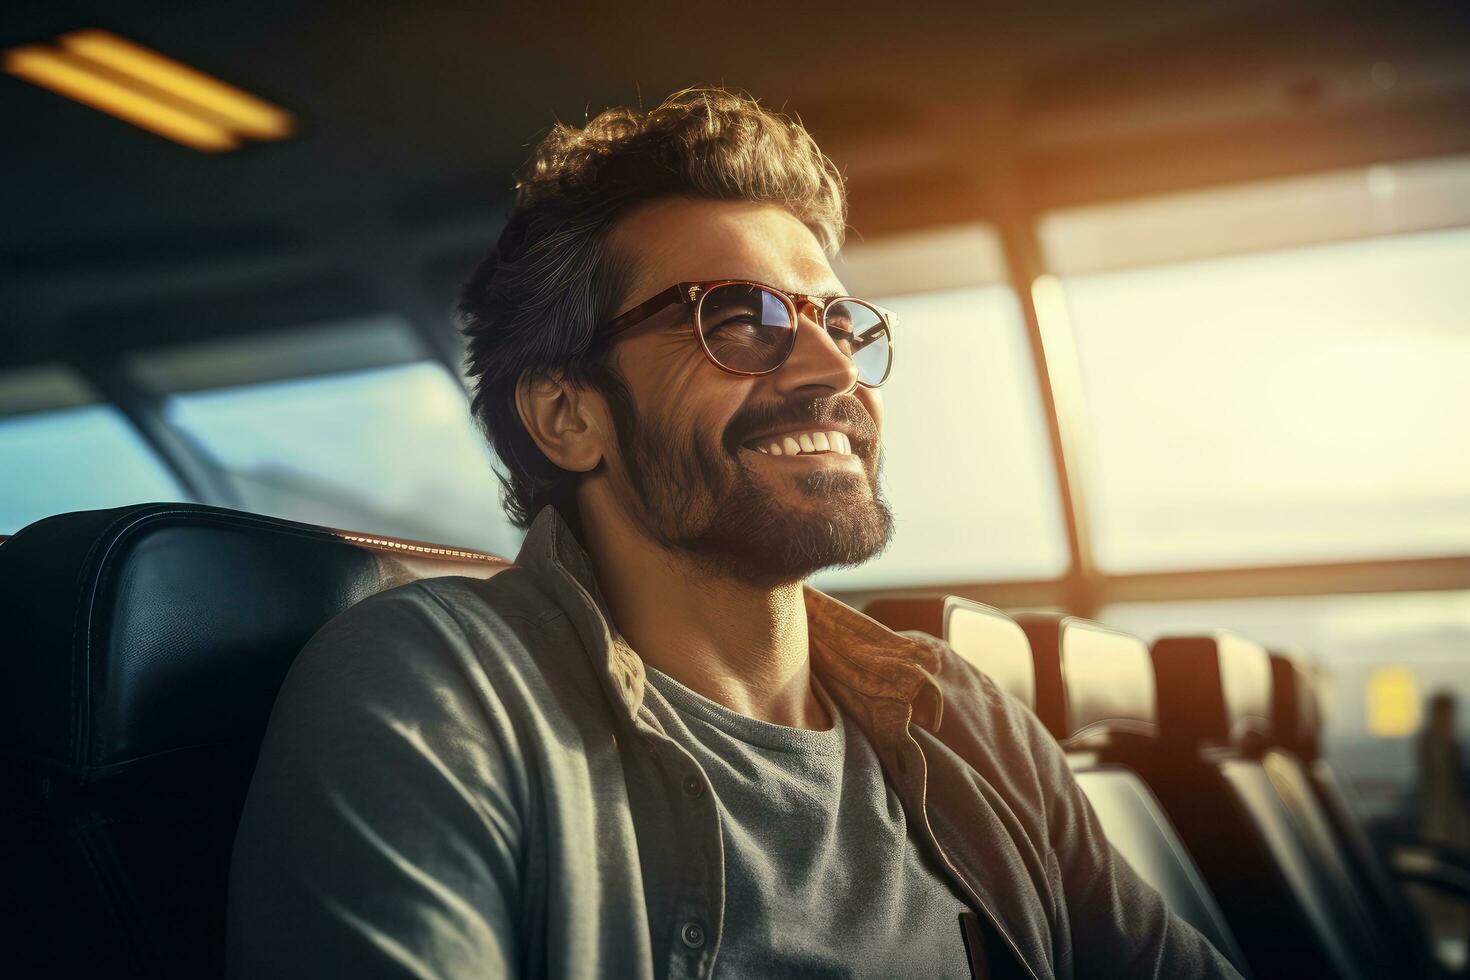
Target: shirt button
(692, 934)
(693, 787)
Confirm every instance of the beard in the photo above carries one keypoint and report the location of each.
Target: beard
(705, 502)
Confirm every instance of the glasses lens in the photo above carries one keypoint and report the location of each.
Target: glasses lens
(862, 334)
(746, 328)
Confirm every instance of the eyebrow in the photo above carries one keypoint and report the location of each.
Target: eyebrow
(829, 292)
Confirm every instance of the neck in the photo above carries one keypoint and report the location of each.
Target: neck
(743, 647)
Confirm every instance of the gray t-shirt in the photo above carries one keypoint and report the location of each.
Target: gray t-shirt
(821, 876)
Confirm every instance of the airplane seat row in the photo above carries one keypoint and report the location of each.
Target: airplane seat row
(1029, 657)
(1094, 692)
(1201, 758)
(1258, 841)
(1296, 727)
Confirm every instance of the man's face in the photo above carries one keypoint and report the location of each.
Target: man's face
(687, 469)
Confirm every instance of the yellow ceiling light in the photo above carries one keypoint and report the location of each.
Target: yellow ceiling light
(242, 111)
(149, 90)
(73, 78)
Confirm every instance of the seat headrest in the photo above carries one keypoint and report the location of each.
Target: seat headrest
(1092, 682)
(992, 643)
(154, 630)
(1295, 719)
(1213, 689)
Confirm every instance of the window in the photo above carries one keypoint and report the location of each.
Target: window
(966, 469)
(385, 446)
(1305, 402)
(60, 451)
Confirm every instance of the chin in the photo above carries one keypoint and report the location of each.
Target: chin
(757, 537)
(743, 523)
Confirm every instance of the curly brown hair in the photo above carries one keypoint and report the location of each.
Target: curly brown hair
(534, 303)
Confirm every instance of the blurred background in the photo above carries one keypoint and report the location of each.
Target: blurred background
(1184, 287)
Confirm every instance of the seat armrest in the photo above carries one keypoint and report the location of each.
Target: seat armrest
(1419, 850)
(1447, 880)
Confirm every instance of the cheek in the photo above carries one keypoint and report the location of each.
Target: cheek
(693, 407)
(688, 400)
(661, 378)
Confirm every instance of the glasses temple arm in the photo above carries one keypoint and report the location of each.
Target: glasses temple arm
(644, 310)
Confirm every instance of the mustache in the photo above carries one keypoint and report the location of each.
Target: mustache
(843, 411)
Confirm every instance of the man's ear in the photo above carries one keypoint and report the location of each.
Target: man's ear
(562, 418)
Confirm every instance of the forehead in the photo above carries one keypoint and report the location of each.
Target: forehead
(685, 240)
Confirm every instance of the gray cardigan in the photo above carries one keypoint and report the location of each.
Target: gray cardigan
(460, 779)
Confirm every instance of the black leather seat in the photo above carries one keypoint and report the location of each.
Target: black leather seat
(1251, 823)
(1093, 689)
(144, 648)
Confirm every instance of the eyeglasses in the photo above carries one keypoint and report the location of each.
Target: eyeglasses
(749, 328)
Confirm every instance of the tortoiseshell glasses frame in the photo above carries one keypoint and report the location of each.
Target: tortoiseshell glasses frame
(752, 356)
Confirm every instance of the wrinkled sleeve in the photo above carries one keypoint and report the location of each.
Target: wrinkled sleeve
(1120, 924)
(381, 834)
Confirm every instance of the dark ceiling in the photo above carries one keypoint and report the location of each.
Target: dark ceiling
(413, 115)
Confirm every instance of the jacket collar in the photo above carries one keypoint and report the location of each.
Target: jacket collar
(847, 647)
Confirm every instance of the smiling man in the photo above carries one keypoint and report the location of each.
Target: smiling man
(649, 750)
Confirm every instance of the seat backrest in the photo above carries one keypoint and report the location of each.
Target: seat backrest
(1102, 708)
(1296, 714)
(144, 649)
(1095, 685)
(993, 643)
(1131, 818)
(1254, 833)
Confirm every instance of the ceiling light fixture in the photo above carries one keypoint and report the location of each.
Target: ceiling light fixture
(150, 90)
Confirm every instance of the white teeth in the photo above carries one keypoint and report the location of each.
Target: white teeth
(831, 441)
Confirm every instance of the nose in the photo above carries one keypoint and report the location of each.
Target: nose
(816, 361)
